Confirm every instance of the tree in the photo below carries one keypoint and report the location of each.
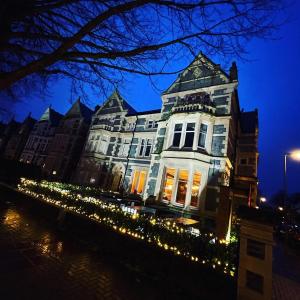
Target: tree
(97, 42)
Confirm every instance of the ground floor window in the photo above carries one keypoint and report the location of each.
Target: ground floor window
(195, 189)
(177, 185)
(138, 181)
(169, 183)
(182, 186)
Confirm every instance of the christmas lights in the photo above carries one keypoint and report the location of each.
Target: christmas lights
(203, 248)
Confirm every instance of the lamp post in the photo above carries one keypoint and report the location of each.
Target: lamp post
(294, 155)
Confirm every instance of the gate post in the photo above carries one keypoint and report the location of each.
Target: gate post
(255, 261)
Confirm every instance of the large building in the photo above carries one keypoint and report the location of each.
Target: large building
(66, 145)
(6, 132)
(18, 139)
(37, 146)
(189, 155)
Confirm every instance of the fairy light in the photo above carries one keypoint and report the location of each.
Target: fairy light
(80, 200)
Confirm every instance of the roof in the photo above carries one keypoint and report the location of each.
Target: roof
(78, 109)
(146, 112)
(51, 116)
(115, 103)
(201, 72)
(249, 121)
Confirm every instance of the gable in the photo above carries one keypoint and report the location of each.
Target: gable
(114, 104)
(202, 72)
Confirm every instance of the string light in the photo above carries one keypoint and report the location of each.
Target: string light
(166, 234)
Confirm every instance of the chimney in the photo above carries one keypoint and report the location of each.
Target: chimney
(233, 74)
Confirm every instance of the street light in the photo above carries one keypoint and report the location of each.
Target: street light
(295, 155)
(263, 199)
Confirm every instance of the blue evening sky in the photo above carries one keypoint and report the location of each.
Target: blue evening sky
(268, 80)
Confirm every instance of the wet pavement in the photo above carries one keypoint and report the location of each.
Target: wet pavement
(39, 262)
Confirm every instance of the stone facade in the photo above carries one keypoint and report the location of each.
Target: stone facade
(66, 145)
(18, 139)
(37, 146)
(182, 155)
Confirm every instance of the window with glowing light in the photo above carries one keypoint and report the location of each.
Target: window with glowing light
(195, 188)
(169, 183)
(182, 186)
(138, 181)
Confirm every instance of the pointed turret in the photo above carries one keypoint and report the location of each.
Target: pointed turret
(51, 116)
(79, 110)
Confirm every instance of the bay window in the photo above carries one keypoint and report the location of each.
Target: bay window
(181, 187)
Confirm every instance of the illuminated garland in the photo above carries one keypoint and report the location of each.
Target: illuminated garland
(205, 248)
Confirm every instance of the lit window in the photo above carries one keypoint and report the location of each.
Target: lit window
(138, 181)
(182, 186)
(189, 135)
(195, 188)
(169, 183)
(177, 135)
(202, 136)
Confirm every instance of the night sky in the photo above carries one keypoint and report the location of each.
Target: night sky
(268, 80)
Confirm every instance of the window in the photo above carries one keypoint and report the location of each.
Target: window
(254, 282)
(142, 147)
(145, 148)
(103, 145)
(152, 124)
(182, 186)
(202, 136)
(195, 188)
(177, 135)
(189, 135)
(169, 183)
(243, 161)
(130, 126)
(124, 148)
(256, 249)
(148, 148)
(138, 181)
